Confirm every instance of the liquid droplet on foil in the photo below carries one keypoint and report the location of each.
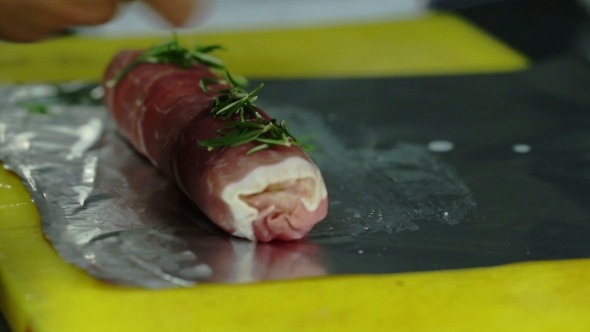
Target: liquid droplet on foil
(441, 146)
(521, 148)
(97, 92)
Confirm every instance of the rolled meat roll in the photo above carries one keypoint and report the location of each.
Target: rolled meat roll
(254, 189)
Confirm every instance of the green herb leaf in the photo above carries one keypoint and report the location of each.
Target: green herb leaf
(209, 49)
(258, 148)
(233, 140)
(173, 52)
(234, 105)
(207, 60)
(251, 125)
(206, 81)
(236, 80)
(34, 107)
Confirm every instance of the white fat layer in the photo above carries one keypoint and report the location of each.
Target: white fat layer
(259, 179)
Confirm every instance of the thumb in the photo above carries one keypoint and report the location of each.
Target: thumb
(177, 12)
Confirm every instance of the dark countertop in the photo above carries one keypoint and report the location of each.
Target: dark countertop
(542, 194)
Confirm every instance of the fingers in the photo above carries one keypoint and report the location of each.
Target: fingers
(18, 21)
(85, 12)
(177, 12)
(33, 20)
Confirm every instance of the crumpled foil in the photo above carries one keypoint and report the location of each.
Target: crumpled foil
(107, 210)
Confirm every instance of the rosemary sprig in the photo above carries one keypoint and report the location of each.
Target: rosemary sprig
(248, 126)
(173, 52)
(234, 104)
(206, 81)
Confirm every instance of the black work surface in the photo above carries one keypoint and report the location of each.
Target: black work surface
(509, 206)
(529, 206)
(397, 207)
(423, 173)
(517, 206)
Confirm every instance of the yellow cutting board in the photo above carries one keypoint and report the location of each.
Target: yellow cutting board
(41, 293)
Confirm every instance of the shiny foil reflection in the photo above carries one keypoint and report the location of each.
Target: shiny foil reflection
(108, 211)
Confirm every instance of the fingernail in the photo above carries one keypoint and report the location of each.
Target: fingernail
(200, 13)
(181, 13)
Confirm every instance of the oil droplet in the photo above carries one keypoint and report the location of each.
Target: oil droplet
(361, 251)
(441, 146)
(521, 148)
(198, 271)
(97, 92)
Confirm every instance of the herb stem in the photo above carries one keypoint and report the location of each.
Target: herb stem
(233, 105)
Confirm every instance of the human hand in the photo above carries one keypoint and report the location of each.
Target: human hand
(34, 20)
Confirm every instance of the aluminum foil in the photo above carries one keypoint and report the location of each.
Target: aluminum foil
(108, 211)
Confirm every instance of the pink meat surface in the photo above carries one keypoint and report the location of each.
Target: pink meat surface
(277, 193)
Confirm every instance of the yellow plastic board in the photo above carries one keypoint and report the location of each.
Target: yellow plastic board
(41, 293)
(436, 44)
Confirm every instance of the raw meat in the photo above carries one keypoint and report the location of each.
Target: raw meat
(276, 193)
